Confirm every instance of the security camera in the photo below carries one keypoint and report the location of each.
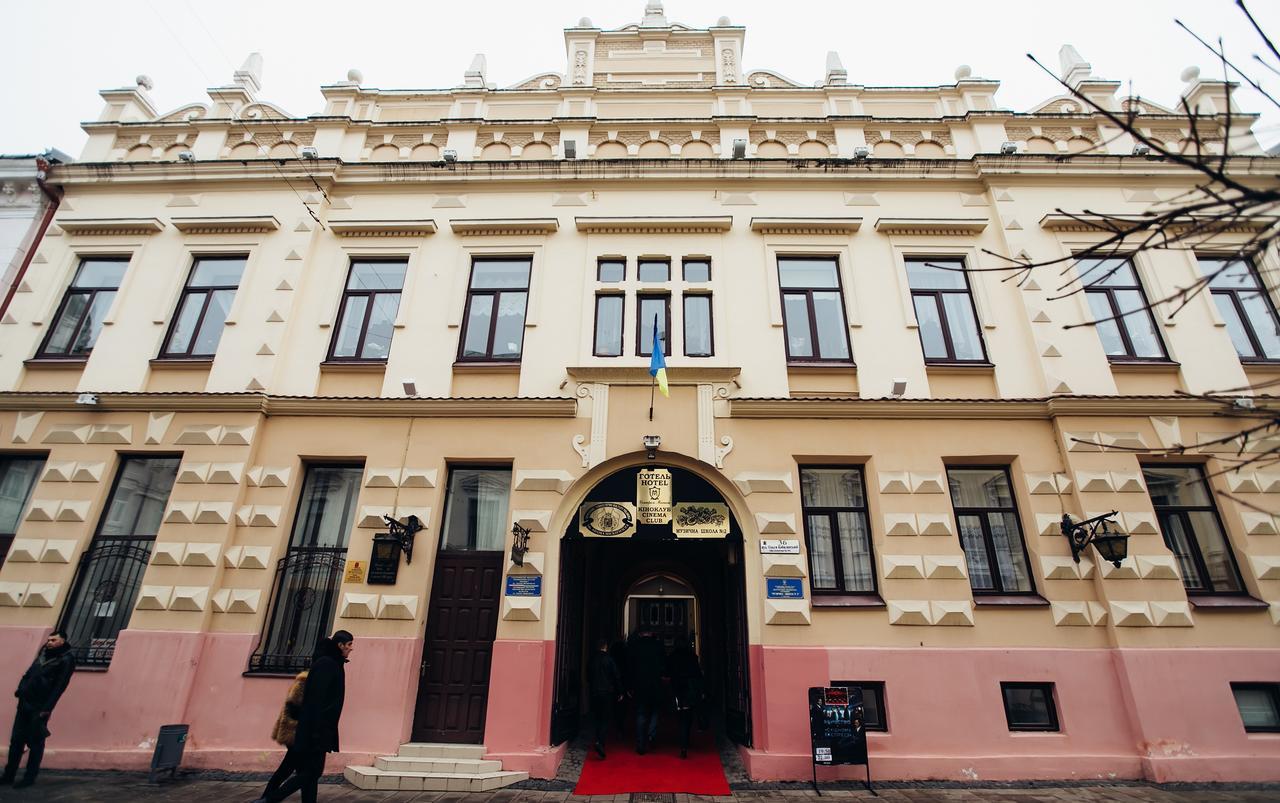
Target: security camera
(309, 152)
(1009, 149)
(186, 156)
(1141, 149)
(87, 398)
(450, 155)
(861, 153)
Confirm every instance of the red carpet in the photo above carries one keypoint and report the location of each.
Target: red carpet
(659, 770)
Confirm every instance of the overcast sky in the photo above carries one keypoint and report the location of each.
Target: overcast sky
(59, 54)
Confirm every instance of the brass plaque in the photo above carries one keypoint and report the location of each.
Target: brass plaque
(607, 520)
(355, 571)
(653, 496)
(700, 520)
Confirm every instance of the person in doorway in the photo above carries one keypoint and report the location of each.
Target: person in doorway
(686, 686)
(618, 652)
(37, 693)
(316, 733)
(647, 661)
(605, 683)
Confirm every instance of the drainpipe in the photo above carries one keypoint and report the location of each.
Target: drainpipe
(55, 198)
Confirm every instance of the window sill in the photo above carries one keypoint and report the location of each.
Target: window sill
(1145, 366)
(1010, 600)
(959, 367)
(56, 363)
(822, 367)
(353, 366)
(1260, 363)
(179, 363)
(847, 601)
(483, 367)
(1226, 602)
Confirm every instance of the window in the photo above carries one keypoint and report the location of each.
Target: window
(873, 711)
(608, 339)
(698, 340)
(79, 320)
(1243, 303)
(369, 305)
(836, 530)
(110, 572)
(812, 310)
(475, 514)
(654, 270)
(697, 270)
(305, 594)
(203, 308)
(1029, 706)
(989, 532)
(18, 476)
(493, 328)
(1124, 321)
(611, 271)
(1259, 705)
(944, 311)
(1191, 528)
(650, 308)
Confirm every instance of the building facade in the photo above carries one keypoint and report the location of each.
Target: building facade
(247, 338)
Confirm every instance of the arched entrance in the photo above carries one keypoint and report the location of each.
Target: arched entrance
(610, 586)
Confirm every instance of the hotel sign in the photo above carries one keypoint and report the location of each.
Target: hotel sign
(607, 520)
(653, 496)
(700, 520)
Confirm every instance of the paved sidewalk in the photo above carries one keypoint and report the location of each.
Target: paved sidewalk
(84, 787)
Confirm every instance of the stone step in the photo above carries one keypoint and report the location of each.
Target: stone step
(374, 778)
(441, 750)
(457, 766)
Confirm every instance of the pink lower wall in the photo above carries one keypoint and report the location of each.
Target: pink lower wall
(518, 721)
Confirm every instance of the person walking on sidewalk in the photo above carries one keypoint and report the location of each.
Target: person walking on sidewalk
(38, 692)
(317, 729)
(605, 682)
(646, 665)
(686, 685)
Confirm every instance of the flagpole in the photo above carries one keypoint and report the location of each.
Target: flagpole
(653, 384)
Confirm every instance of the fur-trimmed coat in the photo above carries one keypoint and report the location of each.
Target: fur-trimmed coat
(287, 723)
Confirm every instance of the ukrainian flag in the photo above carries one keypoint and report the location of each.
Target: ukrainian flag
(658, 362)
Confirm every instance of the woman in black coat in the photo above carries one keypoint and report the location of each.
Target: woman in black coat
(317, 732)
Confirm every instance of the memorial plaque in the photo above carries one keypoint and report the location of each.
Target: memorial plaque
(653, 496)
(384, 560)
(700, 520)
(355, 571)
(607, 520)
(523, 585)
(784, 587)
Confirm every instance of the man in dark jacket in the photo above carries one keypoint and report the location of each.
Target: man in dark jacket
(605, 682)
(646, 663)
(37, 694)
(686, 685)
(317, 731)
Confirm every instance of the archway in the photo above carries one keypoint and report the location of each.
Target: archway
(601, 578)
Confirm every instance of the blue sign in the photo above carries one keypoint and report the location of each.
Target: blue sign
(524, 586)
(784, 588)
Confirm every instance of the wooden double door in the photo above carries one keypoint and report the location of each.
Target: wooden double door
(462, 622)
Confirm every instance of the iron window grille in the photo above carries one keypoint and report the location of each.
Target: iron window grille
(109, 573)
(202, 310)
(609, 325)
(1259, 706)
(1245, 307)
(304, 594)
(945, 313)
(1120, 309)
(18, 475)
(837, 531)
(990, 533)
(649, 307)
(875, 717)
(497, 298)
(83, 309)
(1192, 529)
(366, 318)
(813, 310)
(1029, 706)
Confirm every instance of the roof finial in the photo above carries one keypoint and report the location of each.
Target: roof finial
(653, 15)
(249, 75)
(836, 73)
(1074, 68)
(474, 76)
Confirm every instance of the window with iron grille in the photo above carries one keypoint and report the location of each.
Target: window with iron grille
(875, 717)
(18, 475)
(202, 310)
(1259, 706)
(111, 568)
(367, 317)
(1123, 318)
(84, 308)
(813, 310)
(497, 298)
(1245, 307)
(1029, 706)
(948, 321)
(836, 530)
(1192, 530)
(305, 593)
(987, 519)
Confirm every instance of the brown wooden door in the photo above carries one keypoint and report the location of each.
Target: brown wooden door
(462, 620)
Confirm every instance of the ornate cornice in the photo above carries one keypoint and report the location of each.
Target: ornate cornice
(944, 226)
(269, 405)
(806, 225)
(1108, 224)
(225, 225)
(990, 409)
(114, 225)
(654, 225)
(481, 227)
(382, 228)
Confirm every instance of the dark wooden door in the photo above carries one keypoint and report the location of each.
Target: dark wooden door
(567, 704)
(462, 620)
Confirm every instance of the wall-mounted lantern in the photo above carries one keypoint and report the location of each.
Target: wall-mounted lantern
(1113, 547)
(519, 543)
(403, 533)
